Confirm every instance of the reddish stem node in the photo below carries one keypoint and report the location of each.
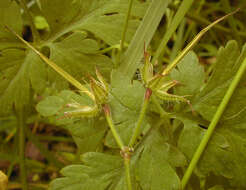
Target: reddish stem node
(106, 109)
(148, 94)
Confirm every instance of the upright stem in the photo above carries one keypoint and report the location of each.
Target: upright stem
(128, 173)
(124, 150)
(22, 138)
(213, 124)
(123, 36)
(116, 136)
(141, 117)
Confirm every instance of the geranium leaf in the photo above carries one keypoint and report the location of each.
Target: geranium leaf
(190, 74)
(16, 67)
(125, 101)
(225, 152)
(103, 18)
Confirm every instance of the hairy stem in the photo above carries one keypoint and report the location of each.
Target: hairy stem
(141, 117)
(116, 136)
(213, 124)
(22, 138)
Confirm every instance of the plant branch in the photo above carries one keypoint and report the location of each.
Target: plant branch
(141, 117)
(213, 124)
(123, 36)
(116, 136)
(128, 173)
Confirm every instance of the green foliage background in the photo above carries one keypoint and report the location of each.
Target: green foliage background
(80, 36)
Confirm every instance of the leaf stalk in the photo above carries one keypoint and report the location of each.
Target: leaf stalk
(128, 173)
(137, 129)
(123, 36)
(112, 127)
(213, 124)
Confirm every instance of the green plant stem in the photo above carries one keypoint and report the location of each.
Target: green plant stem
(128, 173)
(141, 117)
(22, 138)
(116, 136)
(213, 124)
(36, 36)
(123, 36)
(183, 8)
(193, 43)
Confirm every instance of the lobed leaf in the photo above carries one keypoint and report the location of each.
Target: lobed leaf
(225, 152)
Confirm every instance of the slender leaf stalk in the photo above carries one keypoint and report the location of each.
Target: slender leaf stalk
(193, 43)
(141, 117)
(116, 136)
(58, 69)
(22, 138)
(213, 124)
(183, 8)
(123, 36)
(128, 173)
